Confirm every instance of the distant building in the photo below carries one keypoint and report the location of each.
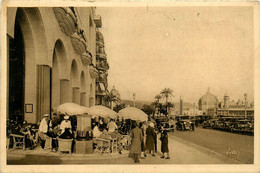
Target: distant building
(239, 108)
(208, 102)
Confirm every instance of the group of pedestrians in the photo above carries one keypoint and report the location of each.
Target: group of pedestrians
(141, 144)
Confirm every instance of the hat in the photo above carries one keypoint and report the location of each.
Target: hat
(46, 115)
(66, 117)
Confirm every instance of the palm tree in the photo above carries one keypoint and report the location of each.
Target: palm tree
(166, 93)
(112, 97)
(158, 97)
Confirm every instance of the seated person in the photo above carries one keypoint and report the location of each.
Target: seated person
(26, 130)
(96, 132)
(89, 134)
(105, 135)
(118, 136)
(66, 134)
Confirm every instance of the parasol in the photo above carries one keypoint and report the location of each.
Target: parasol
(133, 114)
(102, 111)
(72, 109)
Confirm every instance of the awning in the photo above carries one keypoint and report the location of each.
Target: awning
(102, 87)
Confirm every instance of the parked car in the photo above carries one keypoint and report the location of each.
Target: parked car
(185, 124)
(228, 122)
(199, 119)
(218, 124)
(208, 123)
(163, 123)
(243, 126)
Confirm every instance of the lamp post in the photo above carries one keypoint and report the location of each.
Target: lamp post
(245, 95)
(134, 98)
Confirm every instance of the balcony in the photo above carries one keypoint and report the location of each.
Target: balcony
(103, 66)
(100, 89)
(101, 56)
(78, 43)
(100, 43)
(86, 59)
(66, 19)
(98, 21)
(93, 72)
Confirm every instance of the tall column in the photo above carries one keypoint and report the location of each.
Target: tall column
(91, 101)
(64, 90)
(43, 91)
(83, 99)
(76, 95)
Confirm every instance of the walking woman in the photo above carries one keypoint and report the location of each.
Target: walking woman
(164, 145)
(136, 136)
(150, 135)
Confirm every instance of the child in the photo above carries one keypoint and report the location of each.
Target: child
(164, 145)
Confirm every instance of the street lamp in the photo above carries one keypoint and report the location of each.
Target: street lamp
(134, 98)
(245, 95)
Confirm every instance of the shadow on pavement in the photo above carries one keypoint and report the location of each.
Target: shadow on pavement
(35, 160)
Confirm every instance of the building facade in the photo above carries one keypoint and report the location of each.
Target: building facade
(102, 67)
(51, 59)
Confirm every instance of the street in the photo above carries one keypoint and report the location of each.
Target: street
(203, 146)
(233, 145)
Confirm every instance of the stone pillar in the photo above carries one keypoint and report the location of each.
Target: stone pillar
(64, 90)
(91, 101)
(43, 91)
(83, 99)
(75, 95)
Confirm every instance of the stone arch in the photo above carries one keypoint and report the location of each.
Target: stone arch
(36, 78)
(39, 34)
(60, 83)
(74, 82)
(83, 96)
(60, 52)
(74, 74)
(82, 82)
(29, 61)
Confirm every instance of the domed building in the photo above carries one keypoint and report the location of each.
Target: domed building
(207, 101)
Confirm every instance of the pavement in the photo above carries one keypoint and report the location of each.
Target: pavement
(239, 147)
(181, 152)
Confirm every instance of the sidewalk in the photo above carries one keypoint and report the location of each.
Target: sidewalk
(181, 152)
(18, 154)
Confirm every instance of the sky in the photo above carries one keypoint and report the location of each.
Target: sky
(187, 49)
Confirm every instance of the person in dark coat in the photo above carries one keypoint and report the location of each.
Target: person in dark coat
(142, 142)
(150, 135)
(164, 145)
(136, 135)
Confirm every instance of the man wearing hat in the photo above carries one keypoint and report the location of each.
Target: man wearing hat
(43, 129)
(65, 124)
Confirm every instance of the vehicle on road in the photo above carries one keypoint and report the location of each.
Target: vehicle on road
(243, 126)
(164, 123)
(184, 123)
(208, 123)
(199, 119)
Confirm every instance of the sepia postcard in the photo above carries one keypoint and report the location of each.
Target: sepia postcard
(130, 86)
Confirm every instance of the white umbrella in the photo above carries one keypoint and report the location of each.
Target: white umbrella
(133, 114)
(72, 109)
(102, 111)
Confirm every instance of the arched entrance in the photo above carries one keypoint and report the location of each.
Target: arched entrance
(83, 89)
(74, 82)
(60, 85)
(16, 72)
(29, 83)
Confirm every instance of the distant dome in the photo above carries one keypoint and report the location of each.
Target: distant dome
(208, 100)
(115, 92)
